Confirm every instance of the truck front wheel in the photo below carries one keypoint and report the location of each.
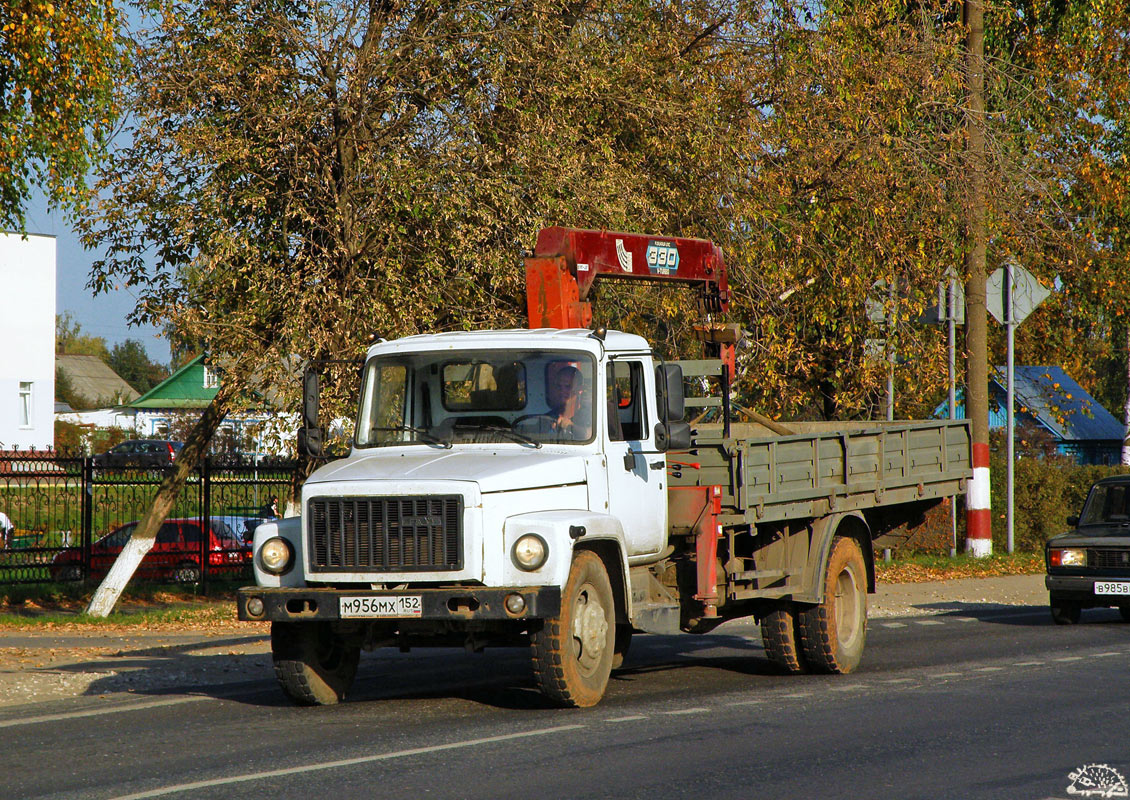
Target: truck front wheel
(572, 653)
(834, 632)
(314, 665)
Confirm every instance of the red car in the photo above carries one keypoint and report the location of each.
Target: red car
(175, 555)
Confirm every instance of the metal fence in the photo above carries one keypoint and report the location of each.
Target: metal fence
(71, 518)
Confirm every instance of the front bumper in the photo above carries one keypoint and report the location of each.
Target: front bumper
(454, 604)
(1081, 588)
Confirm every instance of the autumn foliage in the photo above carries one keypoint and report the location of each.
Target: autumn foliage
(58, 65)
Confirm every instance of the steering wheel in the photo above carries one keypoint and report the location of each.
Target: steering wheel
(537, 425)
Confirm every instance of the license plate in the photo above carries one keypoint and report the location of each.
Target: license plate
(401, 605)
(1112, 587)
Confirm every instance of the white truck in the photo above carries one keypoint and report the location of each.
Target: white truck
(540, 488)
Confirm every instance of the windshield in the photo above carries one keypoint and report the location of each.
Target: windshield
(1107, 504)
(441, 399)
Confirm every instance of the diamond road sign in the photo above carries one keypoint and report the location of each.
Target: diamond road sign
(1027, 293)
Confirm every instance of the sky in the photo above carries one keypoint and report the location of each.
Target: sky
(104, 315)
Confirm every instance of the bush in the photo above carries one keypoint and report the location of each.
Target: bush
(1046, 490)
(73, 439)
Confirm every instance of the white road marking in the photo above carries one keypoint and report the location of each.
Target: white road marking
(682, 711)
(899, 680)
(95, 712)
(345, 762)
(850, 687)
(748, 703)
(928, 622)
(1028, 664)
(633, 718)
(988, 669)
(1104, 655)
(964, 619)
(1069, 658)
(893, 625)
(945, 675)
(797, 695)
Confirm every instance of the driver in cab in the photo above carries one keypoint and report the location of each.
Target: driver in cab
(568, 417)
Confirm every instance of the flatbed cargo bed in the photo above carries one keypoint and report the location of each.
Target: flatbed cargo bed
(827, 467)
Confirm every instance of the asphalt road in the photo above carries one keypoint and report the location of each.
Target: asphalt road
(969, 704)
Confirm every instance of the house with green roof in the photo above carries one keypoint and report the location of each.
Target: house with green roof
(184, 394)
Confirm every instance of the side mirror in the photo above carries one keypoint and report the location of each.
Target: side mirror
(669, 386)
(1073, 521)
(310, 442)
(672, 436)
(311, 389)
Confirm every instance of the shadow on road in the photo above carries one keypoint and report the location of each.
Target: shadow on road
(497, 678)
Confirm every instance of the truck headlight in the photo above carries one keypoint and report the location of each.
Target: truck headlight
(530, 552)
(276, 555)
(1068, 557)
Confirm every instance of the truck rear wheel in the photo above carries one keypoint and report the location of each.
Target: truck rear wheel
(572, 653)
(833, 633)
(314, 665)
(781, 638)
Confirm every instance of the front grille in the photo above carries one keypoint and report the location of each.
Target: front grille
(385, 534)
(1108, 557)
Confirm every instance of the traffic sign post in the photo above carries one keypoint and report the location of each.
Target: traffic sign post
(1012, 293)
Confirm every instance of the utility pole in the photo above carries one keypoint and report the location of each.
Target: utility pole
(978, 519)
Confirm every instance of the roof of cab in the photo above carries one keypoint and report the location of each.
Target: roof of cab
(522, 338)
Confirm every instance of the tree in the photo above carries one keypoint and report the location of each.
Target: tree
(66, 392)
(58, 64)
(301, 176)
(1075, 54)
(130, 360)
(70, 339)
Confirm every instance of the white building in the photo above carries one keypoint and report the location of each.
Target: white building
(27, 341)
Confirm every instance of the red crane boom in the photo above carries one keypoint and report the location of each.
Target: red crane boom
(567, 261)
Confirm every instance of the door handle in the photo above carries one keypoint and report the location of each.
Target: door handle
(657, 464)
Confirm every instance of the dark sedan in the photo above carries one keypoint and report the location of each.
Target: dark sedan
(1089, 567)
(142, 453)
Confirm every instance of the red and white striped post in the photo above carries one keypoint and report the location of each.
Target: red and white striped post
(978, 515)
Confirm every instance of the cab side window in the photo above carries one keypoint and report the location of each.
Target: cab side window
(626, 417)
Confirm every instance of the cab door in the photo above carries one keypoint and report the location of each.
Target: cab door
(637, 474)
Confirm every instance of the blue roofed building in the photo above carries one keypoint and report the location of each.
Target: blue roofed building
(1050, 399)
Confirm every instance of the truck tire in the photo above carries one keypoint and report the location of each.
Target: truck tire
(572, 653)
(313, 665)
(833, 633)
(781, 639)
(1064, 612)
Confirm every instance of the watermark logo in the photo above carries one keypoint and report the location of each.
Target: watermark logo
(1097, 780)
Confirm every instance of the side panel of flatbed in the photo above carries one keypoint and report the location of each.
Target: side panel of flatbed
(777, 478)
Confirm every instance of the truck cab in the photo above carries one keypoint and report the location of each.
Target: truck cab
(482, 464)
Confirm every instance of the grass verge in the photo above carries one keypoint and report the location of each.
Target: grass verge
(920, 568)
(144, 607)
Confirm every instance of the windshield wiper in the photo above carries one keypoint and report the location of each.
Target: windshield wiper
(512, 434)
(424, 435)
